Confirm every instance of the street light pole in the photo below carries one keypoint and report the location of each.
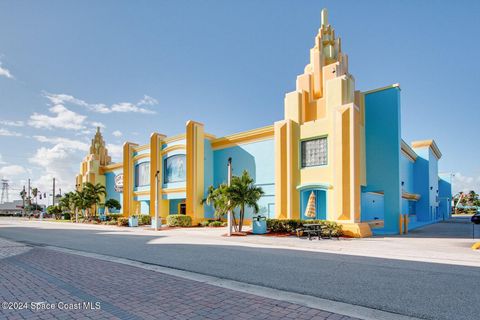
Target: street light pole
(229, 181)
(156, 200)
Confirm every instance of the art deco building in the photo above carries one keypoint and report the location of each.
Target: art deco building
(337, 145)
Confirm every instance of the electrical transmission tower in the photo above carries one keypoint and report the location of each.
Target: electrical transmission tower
(4, 191)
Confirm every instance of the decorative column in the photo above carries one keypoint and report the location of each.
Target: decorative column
(195, 137)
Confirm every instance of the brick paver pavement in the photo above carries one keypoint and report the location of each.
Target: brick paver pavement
(63, 280)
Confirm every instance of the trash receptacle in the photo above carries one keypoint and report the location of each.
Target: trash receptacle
(259, 225)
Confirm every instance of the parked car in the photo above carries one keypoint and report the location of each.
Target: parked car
(476, 218)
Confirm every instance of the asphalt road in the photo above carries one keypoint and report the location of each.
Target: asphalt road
(424, 290)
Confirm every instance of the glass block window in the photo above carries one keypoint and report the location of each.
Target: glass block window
(314, 152)
(142, 174)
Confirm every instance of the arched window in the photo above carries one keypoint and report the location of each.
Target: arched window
(174, 168)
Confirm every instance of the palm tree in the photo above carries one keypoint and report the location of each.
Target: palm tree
(66, 202)
(83, 201)
(217, 198)
(95, 193)
(243, 193)
(23, 195)
(35, 194)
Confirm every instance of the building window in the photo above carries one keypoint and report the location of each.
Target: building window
(174, 168)
(142, 174)
(314, 152)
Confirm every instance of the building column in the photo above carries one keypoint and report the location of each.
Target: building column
(195, 137)
(128, 206)
(156, 164)
(287, 199)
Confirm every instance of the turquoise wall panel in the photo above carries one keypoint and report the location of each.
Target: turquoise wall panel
(110, 187)
(383, 138)
(208, 176)
(445, 195)
(173, 208)
(257, 159)
(372, 206)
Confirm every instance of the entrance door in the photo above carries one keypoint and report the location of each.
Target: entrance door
(183, 208)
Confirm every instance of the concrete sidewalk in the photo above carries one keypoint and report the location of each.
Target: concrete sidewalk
(446, 243)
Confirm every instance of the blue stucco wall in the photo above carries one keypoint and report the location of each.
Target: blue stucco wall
(208, 175)
(426, 184)
(110, 187)
(383, 139)
(257, 159)
(445, 195)
(372, 206)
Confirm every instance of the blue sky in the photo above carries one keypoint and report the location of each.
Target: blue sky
(141, 66)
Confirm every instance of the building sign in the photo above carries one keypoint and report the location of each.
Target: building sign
(119, 182)
(175, 168)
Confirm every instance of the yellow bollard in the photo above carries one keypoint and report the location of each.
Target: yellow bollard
(406, 221)
(476, 246)
(400, 222)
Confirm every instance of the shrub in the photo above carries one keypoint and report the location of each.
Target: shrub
(204, 223)
(144, 219)
(111, 223)
(114, 216)
(290, 225)
(179, 220)
(66, 216)
(215, 224)
(122, 222)
(224, 224)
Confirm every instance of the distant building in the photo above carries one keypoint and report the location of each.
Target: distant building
(10, 208)
(341, 145)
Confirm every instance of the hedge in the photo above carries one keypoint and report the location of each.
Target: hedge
(144, 219)
(291, 225)
(179, 220)
(114, 216)
(122, 222)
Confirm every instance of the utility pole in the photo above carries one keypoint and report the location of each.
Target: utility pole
(23, 198)
(28, 191)
(229, 181)
(53, 198)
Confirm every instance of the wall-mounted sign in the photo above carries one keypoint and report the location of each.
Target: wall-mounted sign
(119, 182)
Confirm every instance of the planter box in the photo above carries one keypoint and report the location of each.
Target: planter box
(159, 223)
(259, 227)
(133, 222)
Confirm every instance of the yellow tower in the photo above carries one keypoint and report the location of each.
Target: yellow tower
(324, 105)
(90, 167)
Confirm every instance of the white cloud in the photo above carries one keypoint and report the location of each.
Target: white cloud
(4, 72)
(8, 133)
(11, 171)
(63, 99)
(464, 183)
(98, 124)
(63, 119)
(130, 107)
(117, 133)
(147, 101)
(115, 151)
(12, 123)
(64, 143)
(60, 162)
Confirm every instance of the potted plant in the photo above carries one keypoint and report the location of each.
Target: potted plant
(133, 221)
(259, 224)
